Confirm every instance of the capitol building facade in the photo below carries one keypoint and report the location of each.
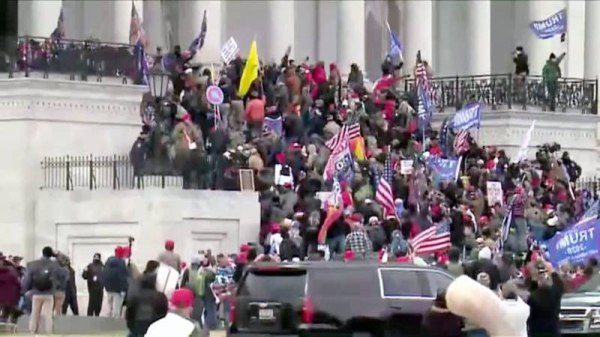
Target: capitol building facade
(456, 37)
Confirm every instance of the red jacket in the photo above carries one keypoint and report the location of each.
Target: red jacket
(10, 287)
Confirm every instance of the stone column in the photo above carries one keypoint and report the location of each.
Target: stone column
(154, 24)
(281, 28)
(122, 18)
(191, 14)
(592, 39)
(73, 16)
(351, 35)
(43, 16)
(418, 32)
(479, 38)
(539, 50)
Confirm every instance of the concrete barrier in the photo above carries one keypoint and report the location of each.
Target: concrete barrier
(77, 325)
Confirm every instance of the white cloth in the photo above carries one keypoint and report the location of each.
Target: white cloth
(166, 279)
(274, 242)
(171, 325)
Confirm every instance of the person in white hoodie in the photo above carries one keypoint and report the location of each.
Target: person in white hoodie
(177, 323)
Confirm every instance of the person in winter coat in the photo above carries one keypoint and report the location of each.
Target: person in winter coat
(114, 279)
(10, 289)
(550, 74)
(169, 257)
(146, 307)
(438, 321)
(485, 265)
(546, 290)
(70, 292)
(92, 274)
(178, 322)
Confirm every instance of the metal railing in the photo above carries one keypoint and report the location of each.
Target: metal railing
(82, 60)
(589, 183)
(99, 172)
(501, 91)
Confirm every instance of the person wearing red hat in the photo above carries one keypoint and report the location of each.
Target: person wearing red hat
(178, 323)
(169, 257)
(114, 278)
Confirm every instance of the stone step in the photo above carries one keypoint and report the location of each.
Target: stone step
(69, 325)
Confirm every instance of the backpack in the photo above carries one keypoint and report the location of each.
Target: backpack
(399, 246)
(197, 278)
(42, 280)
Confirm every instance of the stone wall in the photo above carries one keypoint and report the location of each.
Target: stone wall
(81, 223)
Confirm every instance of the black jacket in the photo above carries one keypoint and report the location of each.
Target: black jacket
(544, 308)
(145, 307)
(484, 266)
(92, 274)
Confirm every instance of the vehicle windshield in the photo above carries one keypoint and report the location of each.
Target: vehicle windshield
(592, 285)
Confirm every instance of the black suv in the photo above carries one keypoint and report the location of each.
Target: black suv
(334, 299)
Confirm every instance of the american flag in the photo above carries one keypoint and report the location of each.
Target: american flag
(461, 142)
(421, 77)
(384, 195)
(198, 42)
(347, 133)
(136, 30)
(59, 32)
(431, 240)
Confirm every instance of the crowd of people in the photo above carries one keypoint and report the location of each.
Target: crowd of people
(287, 130)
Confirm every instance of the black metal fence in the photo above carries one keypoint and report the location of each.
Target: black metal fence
(99, 172)
(589, 183)
(503, 91)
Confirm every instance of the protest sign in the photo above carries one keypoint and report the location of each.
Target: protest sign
(406, 167)
(494, 193)
(574, 245)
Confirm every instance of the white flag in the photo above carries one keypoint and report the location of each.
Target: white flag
(522, 154)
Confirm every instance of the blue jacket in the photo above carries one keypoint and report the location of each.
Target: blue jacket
(114, 275)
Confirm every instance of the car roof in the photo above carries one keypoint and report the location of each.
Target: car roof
(342, 265)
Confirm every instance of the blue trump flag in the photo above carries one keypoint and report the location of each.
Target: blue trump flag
(424, 110)
(271, 124)
(141, 63)
(443, 169)
(574, 245)
(444, 129)
(198, 42)
(554, 25)
(395, 44)
(468, 117)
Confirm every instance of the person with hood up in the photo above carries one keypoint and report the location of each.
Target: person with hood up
(92, 274)
(438, 321)
(177, 322)
(114, 278)
(550, 74)
(146, 307)
(169, 257)
(10, 289)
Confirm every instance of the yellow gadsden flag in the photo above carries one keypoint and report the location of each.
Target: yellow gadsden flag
(250, 72)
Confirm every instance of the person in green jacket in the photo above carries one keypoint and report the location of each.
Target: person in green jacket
(550, 74)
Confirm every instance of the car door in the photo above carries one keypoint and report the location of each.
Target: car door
(436, 281)
(405, 294)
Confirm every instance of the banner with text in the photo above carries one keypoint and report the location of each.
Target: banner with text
(574, 245)
(443, 169)
(556, 24)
